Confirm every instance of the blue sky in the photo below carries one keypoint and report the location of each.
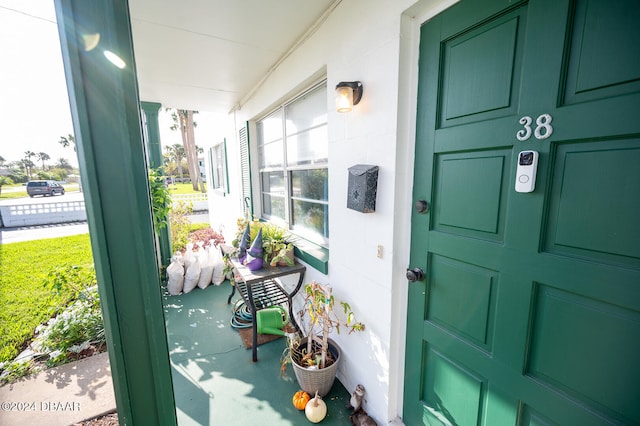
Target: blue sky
(34, 105)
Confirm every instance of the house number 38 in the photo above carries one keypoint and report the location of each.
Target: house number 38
(542, 131)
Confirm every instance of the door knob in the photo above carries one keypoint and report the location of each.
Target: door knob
(415, 274)
(421, 206)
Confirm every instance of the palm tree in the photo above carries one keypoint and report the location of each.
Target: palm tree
(65, 141)
(43, 156)
(176, 153)
(27, 166)
(63, 164)
(183, 121)
(28, 163)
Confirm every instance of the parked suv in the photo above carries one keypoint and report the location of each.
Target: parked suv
(44, 188)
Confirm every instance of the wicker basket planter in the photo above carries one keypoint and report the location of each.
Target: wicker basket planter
(312, 380)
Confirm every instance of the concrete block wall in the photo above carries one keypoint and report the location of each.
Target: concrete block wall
(42, 214)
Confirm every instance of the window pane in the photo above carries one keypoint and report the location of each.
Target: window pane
(310, 184)
(218, 167)
(270, 128)
(271, 154)
(309, 147)
(293, 157)
(273, 183)
(308, 111)
(217, 170)
(273, 206)
(311, 216)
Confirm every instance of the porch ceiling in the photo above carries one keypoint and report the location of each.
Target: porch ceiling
(209, 55)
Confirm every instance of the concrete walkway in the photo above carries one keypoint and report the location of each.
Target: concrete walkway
(60, 396)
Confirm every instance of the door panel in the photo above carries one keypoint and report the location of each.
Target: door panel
(580, 347)
(602, 56)
(462, 300)
(530, 310)
(472, 179)
(481, 70)
(457, 392)
(596, 177)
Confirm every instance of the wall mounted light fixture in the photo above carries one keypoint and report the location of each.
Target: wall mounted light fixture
(348, 94)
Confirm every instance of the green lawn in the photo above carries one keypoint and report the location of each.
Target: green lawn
(24, 301)
(19, 190)
(183, 188)
(13, 191)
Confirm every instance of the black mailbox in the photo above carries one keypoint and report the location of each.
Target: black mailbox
(363, 186)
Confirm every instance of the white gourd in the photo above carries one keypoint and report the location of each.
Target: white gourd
(316, 409)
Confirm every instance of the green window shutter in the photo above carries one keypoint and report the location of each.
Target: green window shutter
(226, 167)
(212, 170)
(245, 171)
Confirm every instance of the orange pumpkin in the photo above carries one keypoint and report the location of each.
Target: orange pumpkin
(300, 399)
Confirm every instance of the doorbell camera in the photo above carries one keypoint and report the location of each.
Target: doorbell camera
(526, 172)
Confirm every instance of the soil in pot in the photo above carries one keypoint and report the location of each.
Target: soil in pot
(307, 360)
(312, 379)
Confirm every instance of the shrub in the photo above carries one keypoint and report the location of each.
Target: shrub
(13, 370)
(160, 198)
(4, 180)
(180, 225)
(78, 329)
(71, 279)
(208, 236)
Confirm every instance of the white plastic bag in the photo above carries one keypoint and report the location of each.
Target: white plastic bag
(189, 257)
(192, 275)
(175, 274)
(218, 265)
(205, 259)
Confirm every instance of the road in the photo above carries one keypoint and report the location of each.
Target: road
(29, 233)
(68, 196)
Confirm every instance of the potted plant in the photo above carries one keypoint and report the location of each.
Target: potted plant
(276, 241)
(315, 357)
(277, 245)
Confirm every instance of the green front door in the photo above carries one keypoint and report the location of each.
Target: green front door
(529, 313)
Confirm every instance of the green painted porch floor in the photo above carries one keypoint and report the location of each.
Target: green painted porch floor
(214, 380)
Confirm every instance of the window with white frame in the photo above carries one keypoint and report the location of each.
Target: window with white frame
(293, 144)
(218, 161)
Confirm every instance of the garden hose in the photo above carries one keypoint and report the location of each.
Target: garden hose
(241, 317)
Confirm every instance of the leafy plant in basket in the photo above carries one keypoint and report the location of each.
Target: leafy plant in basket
(278, 250)
(317, 353)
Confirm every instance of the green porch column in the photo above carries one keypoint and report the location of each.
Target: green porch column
(154, 146)
(151, 110)
(107, 124)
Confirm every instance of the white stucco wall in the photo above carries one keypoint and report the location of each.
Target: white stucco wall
(376, 42)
